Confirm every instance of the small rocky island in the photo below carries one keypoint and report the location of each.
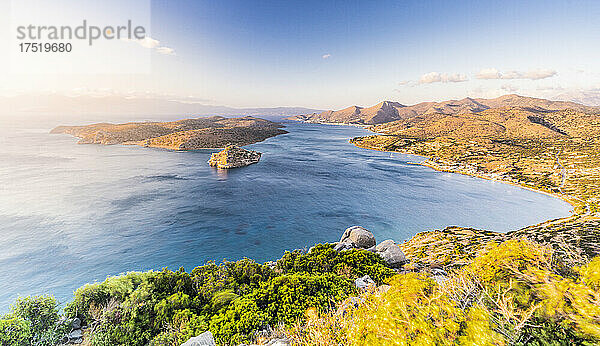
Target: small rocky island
(189, 134)
(233, 157)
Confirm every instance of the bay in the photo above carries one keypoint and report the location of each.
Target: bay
(72, 214)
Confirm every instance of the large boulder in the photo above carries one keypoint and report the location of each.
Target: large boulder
(391, 253)
(76, 323)
(359, 236)
(233, 157)
(343, 246)
(364, 283)
(75, 336)
(204, 339)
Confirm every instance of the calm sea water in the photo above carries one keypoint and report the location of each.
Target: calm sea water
(72, 214)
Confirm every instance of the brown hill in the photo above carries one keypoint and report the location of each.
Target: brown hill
(188, 134)
(383, 112)
(390, 111)
(507, 122)
(556, 151)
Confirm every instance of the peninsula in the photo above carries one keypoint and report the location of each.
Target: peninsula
(189, 134)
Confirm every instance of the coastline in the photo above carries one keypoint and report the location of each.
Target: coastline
(581, 209)
(428, 162)
(431, 164)
(436, 254)
(335, 124)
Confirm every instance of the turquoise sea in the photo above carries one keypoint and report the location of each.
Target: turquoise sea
(72, 214)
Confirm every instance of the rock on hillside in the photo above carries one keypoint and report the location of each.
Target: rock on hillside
(234, 157)
(204, 339)
(357, 237)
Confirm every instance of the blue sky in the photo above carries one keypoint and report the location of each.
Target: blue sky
(331, 54)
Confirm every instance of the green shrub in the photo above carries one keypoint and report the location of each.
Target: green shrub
(511, 294)
(590, 274)
(166, 308)
(96, 295)
(236, 324)
(538, 305)
(239, 277)
(14, 331)
(222, 300)
(322, 258)
(33, 321)
(40, 311)
(184, 326)
(286, 298)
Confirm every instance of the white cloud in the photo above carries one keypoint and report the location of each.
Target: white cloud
(492, 73)
(326, 56)
(150, 43)
(549, 88)
(165, 50)
(436, 77)
(489, 73)
(509, 88)
(540, 74)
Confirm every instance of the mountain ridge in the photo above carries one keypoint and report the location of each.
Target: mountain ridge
(388, 111)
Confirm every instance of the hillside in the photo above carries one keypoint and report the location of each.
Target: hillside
(188, 134)
(390, 111)
(555, 151)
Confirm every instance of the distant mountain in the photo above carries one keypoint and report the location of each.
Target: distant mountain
(588, 97)
(383, 112)
(128, 107)
(388, 111)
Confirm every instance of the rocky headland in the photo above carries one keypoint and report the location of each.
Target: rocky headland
(189, 134)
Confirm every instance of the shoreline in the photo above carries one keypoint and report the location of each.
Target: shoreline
(431, 164)
(335, 124)
(574, 202)
(427, 162)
